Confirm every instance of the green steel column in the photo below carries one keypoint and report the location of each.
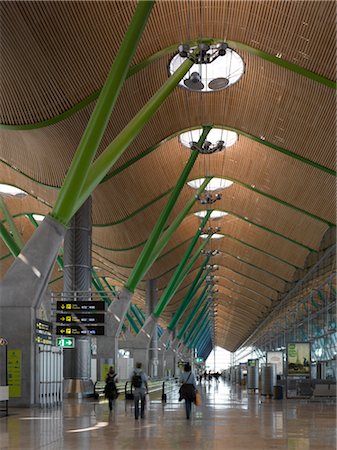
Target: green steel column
(193, 313)
(186, 301)
(9, 241)
(176, 281)
(135, 312)
(85, 153)
(16, 235)
(167, 234)
(115, 149)
(149, 247)
(196, 323)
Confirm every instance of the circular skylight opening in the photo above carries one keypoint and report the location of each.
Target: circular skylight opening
(216, 73)
(9, 190)
(215, 214)
(215, 184)
(214, 236)
(217, 137)
(38, 217)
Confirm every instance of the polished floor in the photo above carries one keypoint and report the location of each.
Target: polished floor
(228, 419)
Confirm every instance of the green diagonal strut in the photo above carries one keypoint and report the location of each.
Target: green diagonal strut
(78, 172)
(9, 241)
(202, 336)
(167, 234)
(193, 313)
(138, 271)
(176, 281)
(195, 332)
(11, 224)
(116, 148)
(202, 297)
(195, 286)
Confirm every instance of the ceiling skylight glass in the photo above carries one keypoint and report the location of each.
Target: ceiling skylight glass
(227, 137)
(219, 72)
(214, 236)
(38, 217)
(216, 184)
(9, 190)
(215, 214)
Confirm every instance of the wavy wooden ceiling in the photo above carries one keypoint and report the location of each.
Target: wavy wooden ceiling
(55, 55)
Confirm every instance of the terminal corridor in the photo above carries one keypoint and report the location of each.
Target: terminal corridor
(228, 419)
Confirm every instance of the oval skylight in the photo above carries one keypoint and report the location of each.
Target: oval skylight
(7, 189)
(214, 236)
(216, 135)
(38, 217)
(219, 74)
(215, 214)
(215, 184)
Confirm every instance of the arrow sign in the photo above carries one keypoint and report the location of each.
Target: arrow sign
(80, 331)
(80, 318)
(90, 306)
(66, 342)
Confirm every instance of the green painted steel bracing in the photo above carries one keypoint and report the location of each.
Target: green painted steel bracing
(116, 148)
(189, 296)
(168, 233)
(193, 312)
(79, 170)
(195, 332)
(135, 312)
(9, 241)
(15, 233)
(176, 281)
(171, 287)
(132, 323)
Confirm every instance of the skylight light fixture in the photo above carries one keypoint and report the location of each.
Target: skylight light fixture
(215, 214)
(217, 140)
(38, 217)
(215, 184)
(216, 67)
(214, 236)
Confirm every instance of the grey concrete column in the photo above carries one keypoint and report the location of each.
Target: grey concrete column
(151, 300)
(21, 292)
(77, 282)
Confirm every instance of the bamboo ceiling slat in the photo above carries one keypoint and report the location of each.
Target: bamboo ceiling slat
(233, 295)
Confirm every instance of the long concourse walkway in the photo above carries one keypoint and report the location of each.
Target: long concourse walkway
(229, 419)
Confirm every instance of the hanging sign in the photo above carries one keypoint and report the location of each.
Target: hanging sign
(80, 318)
(43, 326)
(46, 339)
(80, 306)
(14, 373)
(79, 331)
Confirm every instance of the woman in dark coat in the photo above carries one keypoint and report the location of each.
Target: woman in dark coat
(110, 389)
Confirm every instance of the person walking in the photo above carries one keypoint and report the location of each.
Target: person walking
(139, 383)
(110, 389)
(188, 388)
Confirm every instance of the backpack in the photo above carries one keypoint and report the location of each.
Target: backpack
(136, 380)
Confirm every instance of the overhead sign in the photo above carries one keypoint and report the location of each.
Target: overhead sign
(43, 326)
(253, 362)
(199, 360)
(80, 318)
(94, 305)
(46, 339)
(80, 331)
(66, 342)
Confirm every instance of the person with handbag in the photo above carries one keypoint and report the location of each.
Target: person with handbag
(110, 390)
(139, 383)
(188, 388)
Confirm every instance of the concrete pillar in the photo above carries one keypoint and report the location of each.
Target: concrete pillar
(21, 292)
(151, 300)
(77, 284)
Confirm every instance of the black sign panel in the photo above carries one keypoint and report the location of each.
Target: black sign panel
(45, 339)
(80, 318)
(80, 306)
(43, 326)
(76, 330)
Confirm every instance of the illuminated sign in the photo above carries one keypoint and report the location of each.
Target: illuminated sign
(65, 342)
(298, 357)
(94, 305)
(75, 330)
(253, 362)
(43, 326)
(46, 339)
(80, 318)
(277, 359)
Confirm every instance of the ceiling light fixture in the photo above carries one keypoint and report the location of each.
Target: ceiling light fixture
(216, 67)
(217, 140)
(215, 184)
(215, 214)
